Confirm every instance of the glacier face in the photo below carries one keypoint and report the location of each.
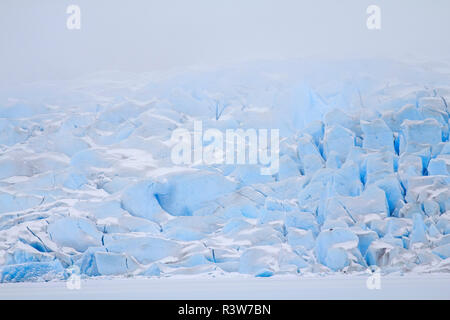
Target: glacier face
(86, 177)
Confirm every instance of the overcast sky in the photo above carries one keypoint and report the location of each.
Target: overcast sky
(139, 35)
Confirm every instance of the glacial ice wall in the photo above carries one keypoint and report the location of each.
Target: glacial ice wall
(86, 177)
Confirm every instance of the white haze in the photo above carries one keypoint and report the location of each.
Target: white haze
(136, 36)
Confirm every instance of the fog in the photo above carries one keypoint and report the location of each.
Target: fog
(138, 35)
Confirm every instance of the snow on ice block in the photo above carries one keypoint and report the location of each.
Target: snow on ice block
(443, 224)
(260, 261)
(440, 165)
(395, 242)
(273, 204)
(443, 240)
(422, 132)
(299, 237)
(13, 164)
(143, 248)
(306, 146)
(310, 158)
(395, 119)
(284, 189)
(86, 159)
(398, 227)
(394, 193)
(109, 263)
(337, 258)
(419, 231)
(184, 234)
(116, 184)
(249, 174)
(436, 103)
(23, 253)
(409, 165)
(338, 139)
(120, 133)
(333, 246)
(378, 165)
(346, 180)
(442, 251)
(289, 261)
(140, 200)
(73, 179)
(22, 109)
(193, 260)
(122, 112)
(37, 182)
(409, 210)
(258, 236)
(219, 254)
(77, 233)
(11, 203)
(372, 202)
(445, 148)
(302, 220)
(152, 124)
(434, 188)
(332, 210)
(333, 161)
(126, 224)
(434, 107)
(235, 225)
(48, 161)
(152, 271)
(12, 133)
(230, 206)
(31, 271)
(310, 163)
(431, 208)
(333, 224)
(288, 148)
(288, 168)
(68, 145)
(191, 190)
(87, 262)
(377, 135)
(101, 209)
(76, 124)
(380, 253)
(316, 130)
(365, 238)
(340, 118)
(188, 228)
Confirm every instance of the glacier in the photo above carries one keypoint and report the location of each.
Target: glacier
(86, 178)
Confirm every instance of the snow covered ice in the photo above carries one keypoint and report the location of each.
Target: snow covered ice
(86, 177)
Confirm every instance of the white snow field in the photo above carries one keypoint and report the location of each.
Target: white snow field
(332, 287)
(87, 180)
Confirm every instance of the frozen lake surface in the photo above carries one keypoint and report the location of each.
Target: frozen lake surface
(436, 286)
